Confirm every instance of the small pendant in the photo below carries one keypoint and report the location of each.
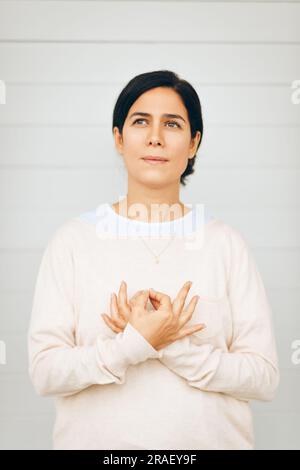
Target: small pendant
(156, 259)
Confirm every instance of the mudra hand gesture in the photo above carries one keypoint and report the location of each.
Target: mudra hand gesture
(161, 326)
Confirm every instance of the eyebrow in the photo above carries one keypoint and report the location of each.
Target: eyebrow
(168, 115)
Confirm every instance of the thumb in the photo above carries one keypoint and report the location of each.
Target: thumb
(154, 302)
(141, 298)
(160, 299)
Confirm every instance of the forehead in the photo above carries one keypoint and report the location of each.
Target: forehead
(158, 101)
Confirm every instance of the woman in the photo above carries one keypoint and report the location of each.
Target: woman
(150, 369)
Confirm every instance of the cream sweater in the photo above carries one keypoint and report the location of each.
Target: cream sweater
(115, 391)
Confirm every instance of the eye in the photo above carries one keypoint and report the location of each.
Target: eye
(172, 122)
(138, 120)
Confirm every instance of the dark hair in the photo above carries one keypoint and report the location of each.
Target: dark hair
(161, 78)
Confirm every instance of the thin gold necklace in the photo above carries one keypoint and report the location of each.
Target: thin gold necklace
(157, 256)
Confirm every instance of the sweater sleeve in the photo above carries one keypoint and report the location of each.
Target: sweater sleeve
(249, 370)
(57, 366)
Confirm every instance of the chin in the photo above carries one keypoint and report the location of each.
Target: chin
(153, 182)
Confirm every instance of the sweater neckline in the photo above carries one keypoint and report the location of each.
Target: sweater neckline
(168, 223)
(185, 225)
(109, 223)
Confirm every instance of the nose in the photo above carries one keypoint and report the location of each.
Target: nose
(154, 141)
(155, 137)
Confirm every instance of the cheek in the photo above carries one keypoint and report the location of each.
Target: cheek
(178, 146)
(134, 139)
(133, 149)
(179, 154)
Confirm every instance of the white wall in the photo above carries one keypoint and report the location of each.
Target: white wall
(64, 63)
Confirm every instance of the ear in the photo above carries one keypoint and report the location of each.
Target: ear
(195, 141)
(118, 140)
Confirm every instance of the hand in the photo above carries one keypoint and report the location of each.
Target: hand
(120, 309)
(162, 303)
(167, 326)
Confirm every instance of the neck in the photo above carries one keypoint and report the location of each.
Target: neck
(151, 204)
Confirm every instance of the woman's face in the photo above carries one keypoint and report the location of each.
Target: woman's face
(158, 135)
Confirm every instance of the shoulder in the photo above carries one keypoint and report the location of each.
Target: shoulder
(231, 246)
(228, 235)
(66, 231)
(71, 232)
(78, 229)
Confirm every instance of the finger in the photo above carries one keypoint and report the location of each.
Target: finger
(119, 322)
(140, 299)
(162, 299)
(116, 316)
(189, 331)
(181, 298)
(189, 310)
(143, 299)
(154, 302)
(114, 309)
(184, 333)
(122, 295)
(111, 325)
(134, 297)
(123, 306)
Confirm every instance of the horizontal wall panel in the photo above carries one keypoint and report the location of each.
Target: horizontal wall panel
(277, 431)
(26, 432)
(115, 21)
(221, 147)
(77, 189)
(93, 105)
(91, 63)
(287, 394)
(245, 189)
(18, 397)
(53, 147)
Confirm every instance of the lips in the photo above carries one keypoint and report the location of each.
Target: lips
(153, 158)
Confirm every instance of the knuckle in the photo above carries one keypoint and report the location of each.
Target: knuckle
(165, 315)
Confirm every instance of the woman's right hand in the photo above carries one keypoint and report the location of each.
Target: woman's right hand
(165, 325)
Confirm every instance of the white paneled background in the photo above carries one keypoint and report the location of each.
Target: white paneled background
(64, 64)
